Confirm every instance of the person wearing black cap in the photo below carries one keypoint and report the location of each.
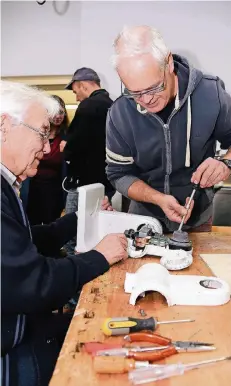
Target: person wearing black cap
(85, 149)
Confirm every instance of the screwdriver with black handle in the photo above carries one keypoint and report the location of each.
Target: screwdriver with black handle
(125, 326)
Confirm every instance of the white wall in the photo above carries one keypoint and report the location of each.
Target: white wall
(37, 41)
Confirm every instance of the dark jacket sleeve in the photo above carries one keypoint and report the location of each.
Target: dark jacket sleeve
(223, 125)
(32, 282)
(121, 169)
(49, 239)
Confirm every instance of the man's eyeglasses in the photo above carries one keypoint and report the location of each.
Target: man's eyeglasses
(151, 91)
(43, 135)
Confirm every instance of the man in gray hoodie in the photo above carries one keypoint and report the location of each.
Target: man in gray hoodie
(162, 133)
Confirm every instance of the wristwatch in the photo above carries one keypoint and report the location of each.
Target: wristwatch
(227, 162)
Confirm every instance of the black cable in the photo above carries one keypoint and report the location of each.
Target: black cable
(41, 2)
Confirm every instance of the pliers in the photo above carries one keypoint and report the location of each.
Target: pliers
(155, 353)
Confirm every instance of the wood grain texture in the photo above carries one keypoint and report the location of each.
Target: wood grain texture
(223, 230)
(105, 297)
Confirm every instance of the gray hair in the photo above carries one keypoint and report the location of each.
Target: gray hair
(16, 98)
(139, 40)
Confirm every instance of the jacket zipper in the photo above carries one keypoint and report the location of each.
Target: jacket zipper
(167, 138)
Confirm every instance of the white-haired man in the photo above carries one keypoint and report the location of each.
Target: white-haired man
(34, 283)
(161, 136)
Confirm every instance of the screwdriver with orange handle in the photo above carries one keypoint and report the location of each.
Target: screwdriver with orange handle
(116, 365)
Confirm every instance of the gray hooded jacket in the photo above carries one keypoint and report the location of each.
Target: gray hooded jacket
(140, 146)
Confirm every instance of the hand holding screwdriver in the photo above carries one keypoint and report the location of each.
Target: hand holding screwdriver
(189, 201)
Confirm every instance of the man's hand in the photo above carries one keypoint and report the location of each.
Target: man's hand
(210, 172)
(113, 247)
(173, 210)
(105, 205)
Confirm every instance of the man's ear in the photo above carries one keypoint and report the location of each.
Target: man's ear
(84, 85)
(3, 119)
(3, 128)
(170, 63)
(5, 124)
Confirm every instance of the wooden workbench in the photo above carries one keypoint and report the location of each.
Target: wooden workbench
(105, 296)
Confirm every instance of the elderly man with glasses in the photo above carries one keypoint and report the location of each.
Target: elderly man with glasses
(162, 133)
(34, 281)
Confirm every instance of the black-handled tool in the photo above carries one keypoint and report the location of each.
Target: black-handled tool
(124, 326)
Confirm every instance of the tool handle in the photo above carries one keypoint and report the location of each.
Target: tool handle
(123, 326)
(149, 337)
(154, 355)
(113, 365)
(143, 324)
(196, 186)
(93, 347)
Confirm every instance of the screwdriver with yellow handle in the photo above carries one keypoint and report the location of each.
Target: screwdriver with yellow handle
(125, 326)
(116, 365)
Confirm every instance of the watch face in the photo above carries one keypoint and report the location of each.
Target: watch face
(227, 162)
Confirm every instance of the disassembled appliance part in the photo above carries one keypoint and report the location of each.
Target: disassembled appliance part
(177, 289)
(144, 233)
(145, 241)
(180, 240)
(94, 223)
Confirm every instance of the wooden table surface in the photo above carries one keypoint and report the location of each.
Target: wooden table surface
(105, 296)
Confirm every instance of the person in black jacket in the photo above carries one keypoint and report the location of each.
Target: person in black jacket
(33, 281)
(85, 149)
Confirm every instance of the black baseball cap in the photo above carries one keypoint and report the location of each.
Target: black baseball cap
(82, 74)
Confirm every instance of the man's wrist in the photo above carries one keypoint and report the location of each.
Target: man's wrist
(227, 163)
(157, 198)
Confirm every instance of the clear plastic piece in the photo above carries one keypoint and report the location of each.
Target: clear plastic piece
(155, 373)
